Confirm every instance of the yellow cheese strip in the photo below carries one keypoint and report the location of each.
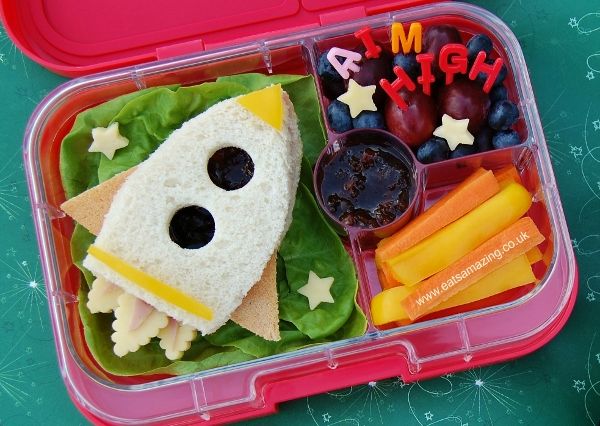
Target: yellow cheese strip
(386, 306)
(152, 285)
(266, 104)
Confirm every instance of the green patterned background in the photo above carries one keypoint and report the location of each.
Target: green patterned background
(559, 384)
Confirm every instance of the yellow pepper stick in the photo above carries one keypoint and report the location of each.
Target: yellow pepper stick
(455, 240)
(514, 241)
(152, 285)
(386, 306)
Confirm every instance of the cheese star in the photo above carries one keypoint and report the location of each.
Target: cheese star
(454, 131)
(358, 98)
(317, 290)
(107, 140)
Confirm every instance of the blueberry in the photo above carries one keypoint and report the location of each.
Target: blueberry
(483, 140)
(409, 64)
(478, 43)
(333, 88)
(325, 70)
(498, 93)
(502, 115)
(369, 120)
(505, 138)
(482, 77)
(463, 150)
(433, 150)
(501, 75)
(338, 115)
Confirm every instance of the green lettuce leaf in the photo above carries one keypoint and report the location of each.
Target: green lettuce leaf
(78, 168)
(319, 250)
(147, 118)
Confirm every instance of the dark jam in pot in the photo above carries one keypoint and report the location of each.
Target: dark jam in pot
(366, 186)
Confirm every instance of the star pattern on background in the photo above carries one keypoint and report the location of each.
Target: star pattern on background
(428, 416)
(596, 124)
(590, 75)
(598, 357)
(590, 297)
(326, 417)
(575, 151)
(573, 23)
(579, 385)
(400, 383)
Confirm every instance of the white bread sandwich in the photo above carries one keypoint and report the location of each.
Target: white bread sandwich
(202, 287)
(259, 311)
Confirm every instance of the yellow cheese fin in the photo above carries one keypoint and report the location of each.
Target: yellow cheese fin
(151, 284)
(266, 104)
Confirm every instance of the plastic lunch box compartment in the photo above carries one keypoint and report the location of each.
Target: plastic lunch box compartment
(510, 325)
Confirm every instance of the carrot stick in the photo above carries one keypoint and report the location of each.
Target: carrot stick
(508, 173)
(514, 241)
(472, 192)
(449, 244)
(385, 282)
(386, 306)
(386, 272)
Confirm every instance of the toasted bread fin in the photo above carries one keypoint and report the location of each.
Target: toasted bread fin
(90, 207)
(259, 311)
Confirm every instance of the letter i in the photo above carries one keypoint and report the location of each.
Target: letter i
(426, 79)
(364, 35)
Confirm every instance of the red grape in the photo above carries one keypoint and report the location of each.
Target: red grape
(437, 37)
(373, 70)
(465, 99)
(415, 125)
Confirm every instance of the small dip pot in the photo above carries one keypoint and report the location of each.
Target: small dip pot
(367, 181)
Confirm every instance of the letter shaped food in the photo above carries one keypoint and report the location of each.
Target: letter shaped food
(201, 287)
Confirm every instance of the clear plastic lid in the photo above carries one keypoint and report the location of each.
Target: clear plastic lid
(508, 326)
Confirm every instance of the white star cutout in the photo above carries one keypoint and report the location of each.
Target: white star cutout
(590, 75)
(596, 124)
(358, 98)
(591, 297)
(107, 140)
(317, 290)
(573, 22)
(454, 131)
(428, 416)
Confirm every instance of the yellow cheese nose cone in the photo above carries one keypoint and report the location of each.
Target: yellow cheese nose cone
(266, 104)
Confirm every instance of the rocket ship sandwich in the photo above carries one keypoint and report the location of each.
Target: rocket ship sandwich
(183, 242)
